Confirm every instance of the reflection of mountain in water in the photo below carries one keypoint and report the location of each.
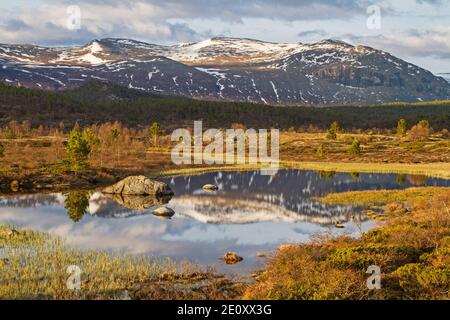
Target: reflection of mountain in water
(31, 200)
(99, 204)
(228, 210)
(243, 197)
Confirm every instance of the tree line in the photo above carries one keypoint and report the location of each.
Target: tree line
(43, 108)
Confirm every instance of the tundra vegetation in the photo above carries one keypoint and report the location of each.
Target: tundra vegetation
(61, 137)
(412, 249)
(112, 147)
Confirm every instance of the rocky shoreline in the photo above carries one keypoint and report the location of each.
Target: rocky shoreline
(53, 182)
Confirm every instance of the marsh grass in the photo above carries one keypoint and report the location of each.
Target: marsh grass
(34, 266)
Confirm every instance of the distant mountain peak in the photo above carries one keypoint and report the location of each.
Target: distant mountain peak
(224, 68)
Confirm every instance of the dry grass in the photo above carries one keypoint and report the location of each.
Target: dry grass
(380, 153)
(412, 249)
(383, 196)
(34, 266)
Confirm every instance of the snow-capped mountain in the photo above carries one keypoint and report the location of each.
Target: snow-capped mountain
(229, 69)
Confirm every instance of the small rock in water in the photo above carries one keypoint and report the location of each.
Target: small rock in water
(339, 225)
(261, 254)
(210, 187)
(163, 212)
(232, 258)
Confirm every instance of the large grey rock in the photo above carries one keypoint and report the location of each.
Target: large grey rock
(139, 185)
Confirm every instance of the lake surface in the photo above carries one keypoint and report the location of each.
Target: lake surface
(249, 213)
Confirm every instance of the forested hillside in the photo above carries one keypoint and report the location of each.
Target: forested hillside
(100, 102)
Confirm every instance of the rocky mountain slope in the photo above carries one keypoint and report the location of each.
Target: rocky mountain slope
(446, 76)
(328, 72)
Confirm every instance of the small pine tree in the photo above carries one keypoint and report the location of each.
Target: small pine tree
(355, 148)
(402, 127)
(154, 131)
(92, 140)
(333, 130)
(2, 150)
(77, 150)
(424, 124)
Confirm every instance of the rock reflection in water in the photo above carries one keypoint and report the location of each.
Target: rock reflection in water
(249, 213)
(134, 202)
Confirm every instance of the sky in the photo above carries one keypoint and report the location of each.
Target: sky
(415, 30)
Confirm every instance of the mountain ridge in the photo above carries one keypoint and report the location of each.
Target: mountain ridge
(231, 69)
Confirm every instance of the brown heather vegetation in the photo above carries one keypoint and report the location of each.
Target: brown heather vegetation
(128, 150)
(412, 249)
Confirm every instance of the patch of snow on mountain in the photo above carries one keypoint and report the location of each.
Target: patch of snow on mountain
(74, 56)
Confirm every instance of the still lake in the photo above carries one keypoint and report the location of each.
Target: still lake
(249, 213)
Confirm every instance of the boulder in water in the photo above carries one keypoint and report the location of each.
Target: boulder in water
(163, 212)
(139, 185)
(232, 258)
(210, 187)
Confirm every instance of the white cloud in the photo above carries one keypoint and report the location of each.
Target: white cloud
(413, 42)
(171, 21)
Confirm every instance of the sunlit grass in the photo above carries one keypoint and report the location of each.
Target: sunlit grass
(438, 170)
(34, 265)
(383, 196)
(412, 250)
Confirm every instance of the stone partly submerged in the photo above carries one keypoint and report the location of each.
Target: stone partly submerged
(137, 202)
(139, 186)
(210, 187)
(232, 258)
(163, 212)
